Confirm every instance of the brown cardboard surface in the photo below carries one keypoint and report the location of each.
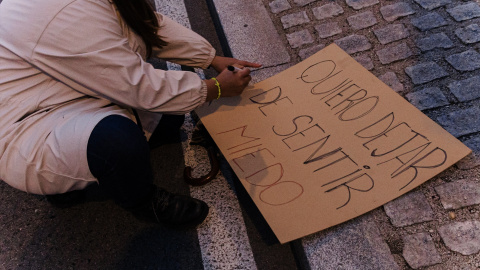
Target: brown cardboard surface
(325, 141)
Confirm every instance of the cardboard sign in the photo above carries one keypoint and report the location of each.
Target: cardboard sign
(326, 141)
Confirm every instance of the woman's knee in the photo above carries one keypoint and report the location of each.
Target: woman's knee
(116, 141)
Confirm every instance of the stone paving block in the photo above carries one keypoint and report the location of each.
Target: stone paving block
(362, 20)
(391, 79)
(260, 41)
(432, 4)
(467, 89)
(299, 38)
(354, 43)
(420, 251)
(427, 98)
(307, 52)
(327, 11)
(429, 21)
(365, 61)
(392, 32)
(472, 160)
(425, 72)
(328, 29)
(458, 194)
(359, 4)
(356, 244)
(439, 40)
(294, 19)
(465, 61)
(392, 12)
(303, 2)
(462, 237)
(278, 6)
(394, 53)
(409, 209)
(461, 122)
(465, 12)
(469, 34)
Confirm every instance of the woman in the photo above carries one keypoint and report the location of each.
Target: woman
(72, 74)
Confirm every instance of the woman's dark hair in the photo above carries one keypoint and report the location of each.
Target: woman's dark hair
(140, 16)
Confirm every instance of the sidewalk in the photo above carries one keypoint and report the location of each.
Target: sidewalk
(427, 51)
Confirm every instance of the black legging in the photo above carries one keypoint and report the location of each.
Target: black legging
(119, 157)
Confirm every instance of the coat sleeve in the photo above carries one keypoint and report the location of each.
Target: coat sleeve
(184, 47)
(84, 48)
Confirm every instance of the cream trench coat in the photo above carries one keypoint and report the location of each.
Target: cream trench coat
(67, 64)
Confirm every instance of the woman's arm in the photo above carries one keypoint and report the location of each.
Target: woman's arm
(188, 48)
(185, 47)
(84, 48)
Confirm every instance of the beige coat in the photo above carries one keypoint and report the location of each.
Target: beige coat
(63, 64)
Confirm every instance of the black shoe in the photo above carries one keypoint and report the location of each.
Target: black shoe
(177, 211)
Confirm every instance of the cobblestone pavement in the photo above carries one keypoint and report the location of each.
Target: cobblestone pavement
(428, 52)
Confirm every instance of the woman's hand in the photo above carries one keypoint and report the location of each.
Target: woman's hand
(232, 83)
(220, 63)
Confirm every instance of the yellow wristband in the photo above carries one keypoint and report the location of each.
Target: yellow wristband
(218, 86)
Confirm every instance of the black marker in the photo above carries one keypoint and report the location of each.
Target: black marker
(233, 69)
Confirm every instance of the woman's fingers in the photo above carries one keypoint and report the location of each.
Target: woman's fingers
(220, 63)
(249, 64)
(244, 72)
